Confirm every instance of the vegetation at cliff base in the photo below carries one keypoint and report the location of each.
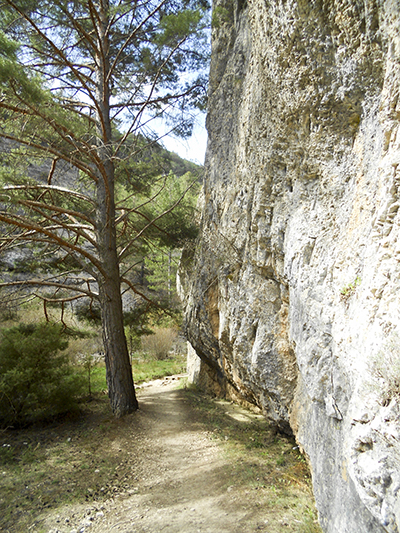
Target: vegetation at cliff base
(268, 466)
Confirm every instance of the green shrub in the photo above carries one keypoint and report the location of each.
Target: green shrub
(350, 289)
(37, 380)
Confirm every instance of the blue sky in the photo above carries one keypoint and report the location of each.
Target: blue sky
(193, 148)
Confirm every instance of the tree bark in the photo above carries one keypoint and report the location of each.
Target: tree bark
(121, 389)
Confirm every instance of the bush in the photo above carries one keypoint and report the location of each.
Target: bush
(37, 381)
(160, 343)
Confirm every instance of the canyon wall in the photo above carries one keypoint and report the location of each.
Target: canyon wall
(292, 291)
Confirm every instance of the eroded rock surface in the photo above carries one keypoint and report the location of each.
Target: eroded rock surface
(293, 289)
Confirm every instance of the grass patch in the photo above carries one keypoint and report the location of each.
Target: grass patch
(55, 465)
(98, 382)
(147, 368)
(265, 465)
(74, 459)
(143, 368)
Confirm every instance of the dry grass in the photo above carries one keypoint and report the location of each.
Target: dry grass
(160, 343)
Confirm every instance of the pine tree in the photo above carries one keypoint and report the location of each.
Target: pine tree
(73, 74)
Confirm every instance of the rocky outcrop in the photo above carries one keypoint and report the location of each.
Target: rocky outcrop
(292, 292)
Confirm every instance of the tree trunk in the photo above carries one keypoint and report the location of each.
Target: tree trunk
(121, 389)
(169, 275)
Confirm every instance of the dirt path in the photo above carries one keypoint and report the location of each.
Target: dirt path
(183, 488)
(173, 478)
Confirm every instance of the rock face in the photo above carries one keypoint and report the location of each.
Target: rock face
(292, 292)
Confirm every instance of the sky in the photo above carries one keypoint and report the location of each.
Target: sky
(194, 148)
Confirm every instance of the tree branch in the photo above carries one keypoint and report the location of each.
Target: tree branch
(47, 283)
(21, 222)
(131, 36)
(145, 104)
(54, 188)
(125, 250)
(57, 51)
(48, 149)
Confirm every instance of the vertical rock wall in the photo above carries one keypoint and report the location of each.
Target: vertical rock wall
(293, 287)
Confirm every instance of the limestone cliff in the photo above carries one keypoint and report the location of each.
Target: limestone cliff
(292, 291)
